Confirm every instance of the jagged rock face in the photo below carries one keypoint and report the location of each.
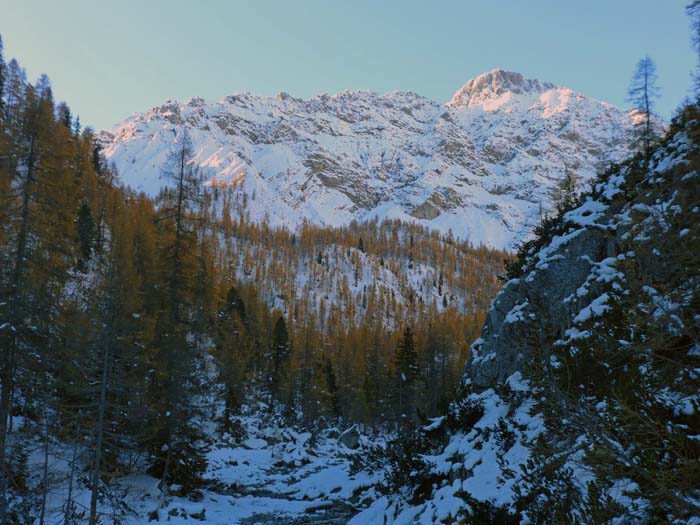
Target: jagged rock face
(494, 84)
(482, 165)
(502, 350)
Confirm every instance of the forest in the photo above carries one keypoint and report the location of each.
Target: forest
(125, 318)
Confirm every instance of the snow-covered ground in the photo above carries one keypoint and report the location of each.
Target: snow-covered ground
(274, 474)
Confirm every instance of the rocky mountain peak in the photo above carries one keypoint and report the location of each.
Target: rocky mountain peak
(494, 84)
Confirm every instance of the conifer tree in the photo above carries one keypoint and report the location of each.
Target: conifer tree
(693, 11)
(86, 234)
(308, 342)
(76, 126)
(332, 388)
(233, 349)
(64, 116)
(3, 74)
(28, 149)
(177, 215)
(563, 194)
(643, 92)
(15, 85)
(117, 329)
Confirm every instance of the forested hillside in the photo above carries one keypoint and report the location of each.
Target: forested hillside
(389, 271)
(135, 328)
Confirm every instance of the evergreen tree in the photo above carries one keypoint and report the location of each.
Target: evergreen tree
(3, 74)
(374, 382)
(642, 93)
(308, 342)
(565, 191)
(332, 388)
(234, 347)
(693, 11)
(64, 115)
(76, 126)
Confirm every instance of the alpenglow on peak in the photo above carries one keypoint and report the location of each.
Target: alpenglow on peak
(494, 84)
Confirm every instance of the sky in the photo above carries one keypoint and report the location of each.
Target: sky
(112, 59)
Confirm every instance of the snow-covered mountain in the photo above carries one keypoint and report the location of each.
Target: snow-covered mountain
(482, 165)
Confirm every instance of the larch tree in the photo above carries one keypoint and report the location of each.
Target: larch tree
(178, 214)
(28, 163)
(115, 345)
(86, 234)
(406, 362)
(280, 353)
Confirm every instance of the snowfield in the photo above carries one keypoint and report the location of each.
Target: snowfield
(482, 165)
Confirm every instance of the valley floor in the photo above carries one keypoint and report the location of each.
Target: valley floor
(273, 476)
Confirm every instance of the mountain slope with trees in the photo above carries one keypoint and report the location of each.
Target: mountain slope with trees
(135, 330)
(223, 349)
(581, 397)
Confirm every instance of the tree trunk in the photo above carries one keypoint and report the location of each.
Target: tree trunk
(68, 511)
(166, 468)
(99, 433)
(45, 474)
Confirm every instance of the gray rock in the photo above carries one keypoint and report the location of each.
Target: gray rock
(350, 438)
(505, 346)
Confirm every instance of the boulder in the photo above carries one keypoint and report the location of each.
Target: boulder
(350, 438)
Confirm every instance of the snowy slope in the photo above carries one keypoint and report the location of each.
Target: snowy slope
(582, 395)
(481, 165)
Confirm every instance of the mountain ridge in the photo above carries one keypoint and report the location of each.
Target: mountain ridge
(483, 169)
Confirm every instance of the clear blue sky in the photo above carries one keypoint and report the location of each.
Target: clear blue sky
(112, 59)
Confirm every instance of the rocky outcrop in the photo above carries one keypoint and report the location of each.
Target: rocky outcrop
(440, 201)
(350, 438)
(542, 298)
(581, 399)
